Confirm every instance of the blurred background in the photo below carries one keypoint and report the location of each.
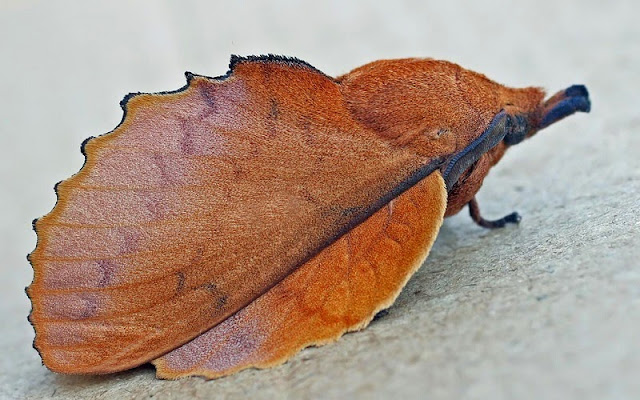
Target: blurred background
(546, 310)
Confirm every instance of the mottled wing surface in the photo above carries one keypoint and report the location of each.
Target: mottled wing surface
(198, 203)
(338, 290)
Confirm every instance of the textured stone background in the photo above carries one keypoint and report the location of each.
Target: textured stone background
(549, 309)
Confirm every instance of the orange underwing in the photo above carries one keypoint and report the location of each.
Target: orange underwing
(232, 222)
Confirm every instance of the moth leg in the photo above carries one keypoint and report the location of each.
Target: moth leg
(474, 211)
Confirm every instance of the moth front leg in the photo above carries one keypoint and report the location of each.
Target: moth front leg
(474, 211)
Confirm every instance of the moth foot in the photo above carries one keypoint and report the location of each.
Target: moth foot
(513, 218)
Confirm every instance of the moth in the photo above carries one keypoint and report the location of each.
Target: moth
(234, 221)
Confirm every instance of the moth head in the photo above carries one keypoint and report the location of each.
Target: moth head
(519, 119)
(440, 110)
(436, 108)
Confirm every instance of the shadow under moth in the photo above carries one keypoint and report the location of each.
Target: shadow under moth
(234, 221)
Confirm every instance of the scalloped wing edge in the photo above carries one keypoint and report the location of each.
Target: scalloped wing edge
(235, 60)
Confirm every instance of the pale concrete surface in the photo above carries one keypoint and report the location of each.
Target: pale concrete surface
(550, 309)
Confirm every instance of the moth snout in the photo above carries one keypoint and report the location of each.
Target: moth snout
(522, 124)
(573, 99)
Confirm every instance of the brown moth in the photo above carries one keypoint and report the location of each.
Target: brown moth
(241, 218)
